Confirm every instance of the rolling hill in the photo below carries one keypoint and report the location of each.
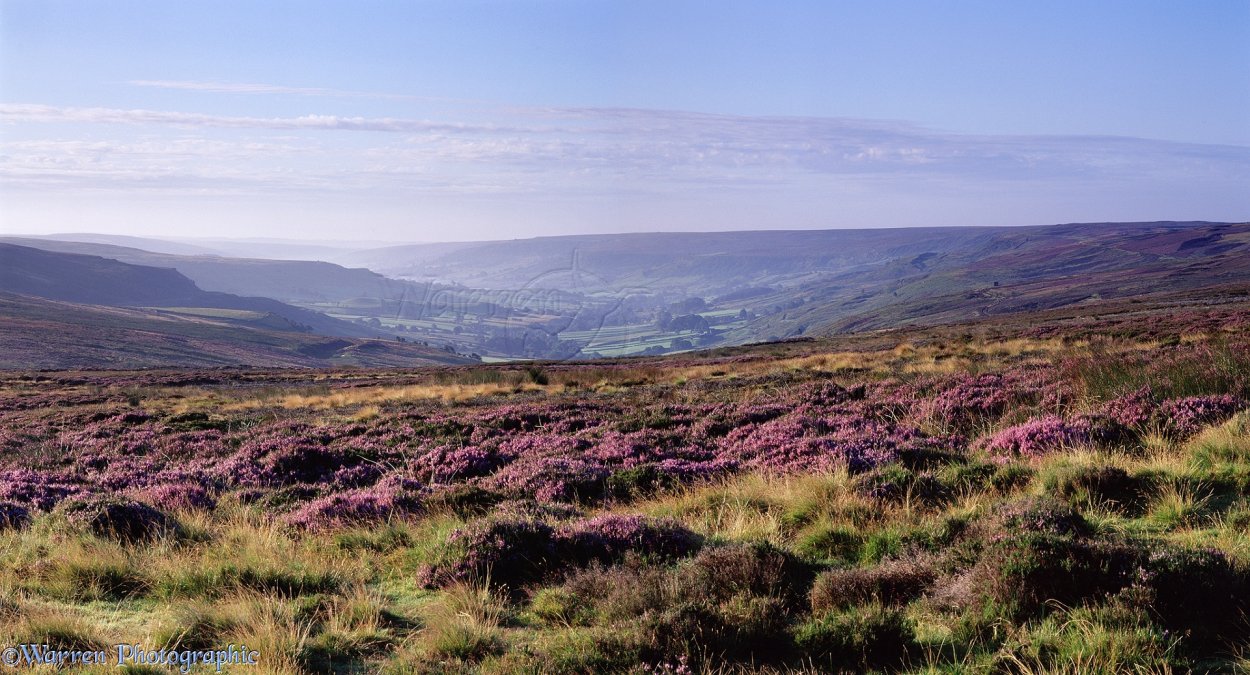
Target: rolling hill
(38, 333)
(298, 281)
(95, 280)
(617, 295)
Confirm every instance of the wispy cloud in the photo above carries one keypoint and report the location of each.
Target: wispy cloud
(256, 88)
(46, 113)
(578, 151)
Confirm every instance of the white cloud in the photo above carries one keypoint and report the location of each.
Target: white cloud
(23, 112)
(574, 153)
(253, 88)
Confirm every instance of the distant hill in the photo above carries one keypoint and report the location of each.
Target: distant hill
(94, 280)
(811, 282)
(145, 243)
(629, 294)
(286, 280)
(691, 263)
(37, 333)
(1019, 271)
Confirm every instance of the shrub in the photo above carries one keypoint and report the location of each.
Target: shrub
(1183, 417)
(895, 484)
(1019, 573)
(178, 496)
(1035, 514)
(894, 582)
(609, 538)
(392, 496)
(970, 400)
(1038, 437)
(831, 542)
(119, 519)
(13, 516)
(509, 553)
(1197, 590)
(861, 639)
(1099, 486)
(1133, 411)
(40, 490)
(757, 568)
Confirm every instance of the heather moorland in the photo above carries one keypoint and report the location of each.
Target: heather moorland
(1061, 492)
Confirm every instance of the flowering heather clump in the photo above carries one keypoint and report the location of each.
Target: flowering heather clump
(356, 475)
(13, 516)
(1184, 417)
(609, 538)
(123, 520)
(539, 445)
(969, 400)
(801, 443)
(552, 479)
(1038, 437)
(507, 552)
(393, 496)
(446, 464)
(40, 490)
(178, 496)
(1134, 410)
(284, 460)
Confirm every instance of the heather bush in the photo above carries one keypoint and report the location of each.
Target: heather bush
(1182, 418)
(124, 520)
(860, 639)
(1200, 591)
(507, 553)
(552, 479)
(178, 497)
(1038, 437)
(1134, 410)
(282, 460)
(1020, 573)
(446, 464)
(38, 490)
(1099, 486)
(968, 400)
(610, 538)
(894, 582)
(895, 484)
(391, 497)
(13, 516)
(1034, 514)
(757, 569)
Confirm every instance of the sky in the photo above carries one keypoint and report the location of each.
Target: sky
(465, 120)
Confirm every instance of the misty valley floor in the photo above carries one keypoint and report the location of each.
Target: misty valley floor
(1049, 497)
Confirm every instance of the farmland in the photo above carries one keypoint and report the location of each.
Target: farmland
(1057, 492)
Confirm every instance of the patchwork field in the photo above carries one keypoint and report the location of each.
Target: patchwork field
(1062, 493)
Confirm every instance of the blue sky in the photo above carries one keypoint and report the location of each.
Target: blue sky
(470, 120)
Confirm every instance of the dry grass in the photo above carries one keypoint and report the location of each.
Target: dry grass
(372, 396)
